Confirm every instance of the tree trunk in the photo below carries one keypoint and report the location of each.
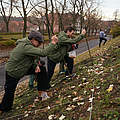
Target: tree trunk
(24, 19)
(3, 13)
(25, 26)
(47, 20)
(7, 26)
(52, 23)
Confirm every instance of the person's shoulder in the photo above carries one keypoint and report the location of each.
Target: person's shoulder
(62, 33)
(25, 42)
(101, 31)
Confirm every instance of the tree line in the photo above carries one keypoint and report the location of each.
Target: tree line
(77, 13)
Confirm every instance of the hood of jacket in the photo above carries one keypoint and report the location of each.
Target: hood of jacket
(23, 41)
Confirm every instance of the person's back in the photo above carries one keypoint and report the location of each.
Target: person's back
(102, 34)
(19, 61)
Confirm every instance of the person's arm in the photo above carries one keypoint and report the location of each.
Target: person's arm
(63, 39)
(33, 51)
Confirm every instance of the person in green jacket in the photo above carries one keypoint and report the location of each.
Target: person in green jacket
(22, 62)
(64, 44)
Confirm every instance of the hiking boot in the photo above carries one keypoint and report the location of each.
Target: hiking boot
(44, 96)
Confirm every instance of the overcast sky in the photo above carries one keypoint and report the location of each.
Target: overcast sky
(108, 7)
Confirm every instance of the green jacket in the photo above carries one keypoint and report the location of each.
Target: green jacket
(63, 46)
(23, 56)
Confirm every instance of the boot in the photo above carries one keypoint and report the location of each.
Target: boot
(43, 95)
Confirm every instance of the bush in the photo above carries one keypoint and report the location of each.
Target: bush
(15, 33)
(7, 43)
(115, 31)
(0, 38)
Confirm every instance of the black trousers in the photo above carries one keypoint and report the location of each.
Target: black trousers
(69, 63)
(101, 39)
(11, 83)
(51, 67)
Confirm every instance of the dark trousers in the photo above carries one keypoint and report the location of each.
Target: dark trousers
(51, 67)
(11, 83)
(69, 64)
(8, 98)
(101, 39)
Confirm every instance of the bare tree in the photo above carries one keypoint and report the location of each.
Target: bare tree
(60, 10)
(116, 15)
(6, 11)
(47, 15)
(24, 7)
(90, 15)
(52, 12)
(73, 11)
(80, 9)
(35, 19)
(47, 19)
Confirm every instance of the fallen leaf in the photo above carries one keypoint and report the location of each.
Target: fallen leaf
(33, 105)
(52, 85)
(51, 117)
(90, 99)
(80, 103)
(111, 69)
(69, 108)
(110, 88)
(89, 109)
(85, 92)
(75, 93)
(73, 106)
(98, 87)
(69, 96)
(26, 115)
(80, 85)
(75, 99)
(92, 90)
(25, 112)
(84, 78)
(48, 107)
(62, 117)
(72, 87)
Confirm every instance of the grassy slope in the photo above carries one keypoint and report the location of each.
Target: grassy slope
(70, 98)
